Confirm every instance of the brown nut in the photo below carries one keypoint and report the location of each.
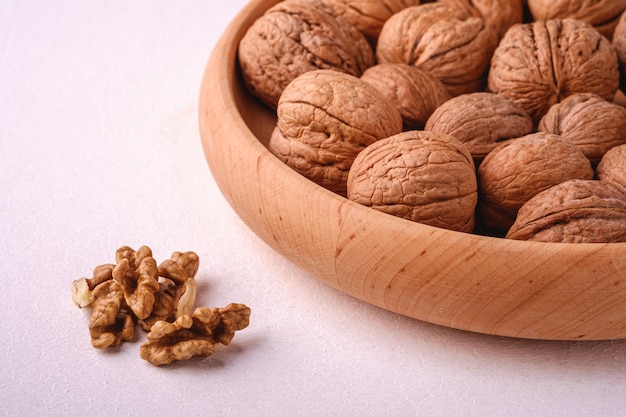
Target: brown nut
(447, 42)
(589, 122)
(575, 211)
(539, 64)
(612, 166)
(325, 118)
(110, 323)
(500, 14)
(421, 176)
(194, 335)
(619, 41)
(518, 169)
(296, 36)
(415, 92)
(481, 121)
(137, 273)
(602, 14)
(82, 288)
(368, 16)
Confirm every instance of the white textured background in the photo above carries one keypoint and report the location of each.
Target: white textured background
(100, 148)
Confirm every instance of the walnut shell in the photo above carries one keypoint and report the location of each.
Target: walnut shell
(415, 92)
(500, 14)
(325, 118)
(602, 14)
(481, 121)
(612, 166)
(539, 64)
(296, 36)
(619, 41)
(589, 122)
(368, 16)
(575, 211)
(518, 169)
(421, 176)
(447, 42)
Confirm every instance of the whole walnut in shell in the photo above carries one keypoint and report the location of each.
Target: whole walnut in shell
(589, 122)
(612, 166)
(368, 16)
(518, 169)
(449, 43)
(325, 118)
(480, 120)
(574, 211)
(619, 41)
(296, 36)
(421, 176)
(602, 14)
(500, 14)
(538, 64)
(415, 92)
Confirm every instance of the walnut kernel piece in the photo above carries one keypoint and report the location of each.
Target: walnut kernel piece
(296, 36)
(82, 289)
(575, 211)
(110, 323)
(520, 168)
(589, 122)
(447, 42)
(612, 166)
(415, 92)
(481, 121)
(325, 118)
(538, 64)
(421, 176)
(137, 272)
(602, 14)
(194, 335)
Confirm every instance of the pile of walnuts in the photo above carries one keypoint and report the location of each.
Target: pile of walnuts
(159, 299)
(497, 117)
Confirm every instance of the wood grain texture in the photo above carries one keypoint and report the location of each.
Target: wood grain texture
(476, 283)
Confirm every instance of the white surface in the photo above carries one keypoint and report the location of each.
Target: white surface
(100, 148)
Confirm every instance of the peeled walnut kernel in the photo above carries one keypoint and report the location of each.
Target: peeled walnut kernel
(194, 335)
(520, 168)
(481, 121)
(421, 176)
(110, 323)
(82, 289)
(137, 272)
(325, 118)
(591, 123)
(448, 42)
(575, 211)
(612, 166)
(296, 36)
(415, 92)
(538, 64)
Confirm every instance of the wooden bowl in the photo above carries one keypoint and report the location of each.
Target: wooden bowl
(482, 284)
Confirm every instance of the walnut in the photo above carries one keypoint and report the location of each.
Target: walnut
(538, 64)
(137, 272)
(575, 211)
(325, 118)
(110, 323)
(447, 42)
(602, 14)
(82, 289)
(296, 36)
(194, 335)
(481, 121)
(612, 166)
(500, 14)
(619, 41)
(421, 176)
(415, 92)
(177, 289)
(589, 122)
(518, 169)
(368, 16)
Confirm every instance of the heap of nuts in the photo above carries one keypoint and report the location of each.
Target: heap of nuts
(161, 300)
(496, 117)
